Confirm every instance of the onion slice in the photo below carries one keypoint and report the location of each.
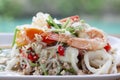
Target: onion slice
(98, 62)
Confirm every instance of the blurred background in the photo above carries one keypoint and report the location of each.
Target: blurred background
(104, 14)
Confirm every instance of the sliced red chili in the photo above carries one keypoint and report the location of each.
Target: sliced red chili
(46, 38)
(32, 57)
(107, 47)
(35, 57)
(61, 50)
(48, 41)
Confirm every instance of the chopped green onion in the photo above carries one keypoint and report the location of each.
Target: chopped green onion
(59, 25)
(59, 30)
(49, 23)
(43, 68)
(33, 64)
(14, 38)
(52, 21)
(66, 23)
(70, 29)
(73, 30)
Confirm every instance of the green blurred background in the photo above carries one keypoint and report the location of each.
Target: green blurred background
(104, 14)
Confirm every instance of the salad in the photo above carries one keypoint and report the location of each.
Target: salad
(68, 46)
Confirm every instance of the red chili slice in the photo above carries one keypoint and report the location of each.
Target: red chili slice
(107, 47)
(32, 57)
(48, 41)
(46, 38)
(61, 50)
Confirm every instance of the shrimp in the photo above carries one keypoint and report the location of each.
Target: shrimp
(96, 40)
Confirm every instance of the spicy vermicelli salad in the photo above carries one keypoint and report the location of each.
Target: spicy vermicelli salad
(67, 46)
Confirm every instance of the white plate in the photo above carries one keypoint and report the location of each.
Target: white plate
(6, 40)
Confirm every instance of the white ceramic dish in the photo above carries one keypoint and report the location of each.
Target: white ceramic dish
(6, 40)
